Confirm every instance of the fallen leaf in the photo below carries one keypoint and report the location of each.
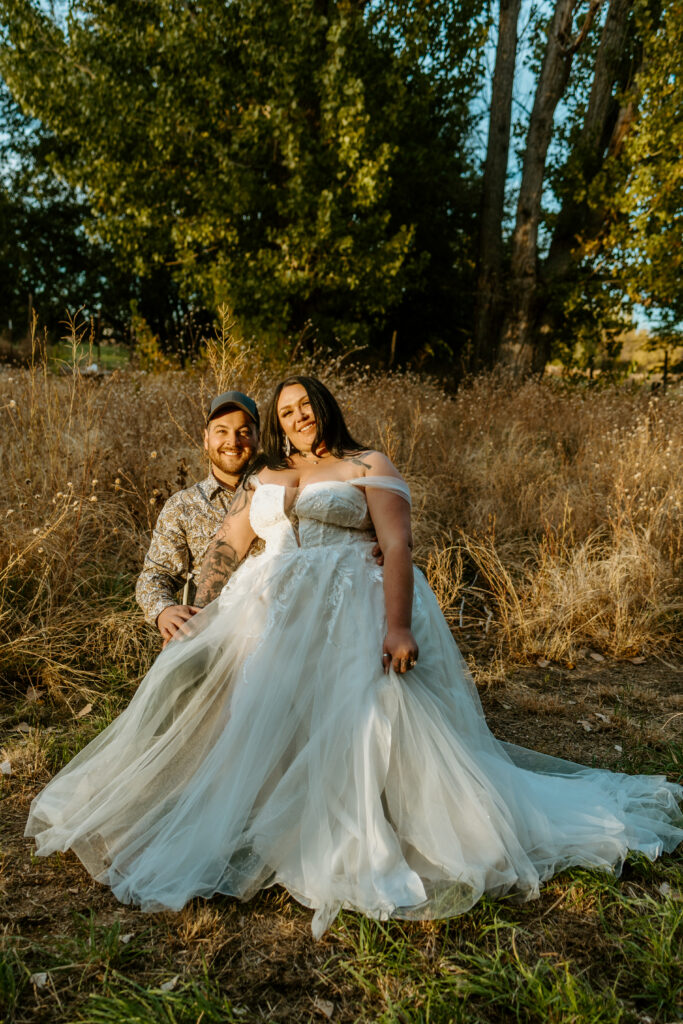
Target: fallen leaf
(664, 888)
(637, 661)
(618, 747)
(595, 656)
(587, 726)
(542, 663)
(74, 889)
(324, 1005)
(125, 939)
(23, 727)
(168, 986)
(84, 711)
(6, 768)
(603, 718)
(506, 706)
(39, 979)
(571, 702)
(32, 695)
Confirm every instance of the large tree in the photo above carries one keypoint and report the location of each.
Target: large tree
(601, 139)
(305, 160)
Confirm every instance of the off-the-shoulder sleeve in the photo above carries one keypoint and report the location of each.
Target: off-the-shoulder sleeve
(385, 483)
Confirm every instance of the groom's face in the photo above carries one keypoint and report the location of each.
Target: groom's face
(230, 441)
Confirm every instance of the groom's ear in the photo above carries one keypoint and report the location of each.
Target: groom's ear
(206, 439)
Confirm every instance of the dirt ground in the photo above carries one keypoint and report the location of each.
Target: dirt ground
(621, 716)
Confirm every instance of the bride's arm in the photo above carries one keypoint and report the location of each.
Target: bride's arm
(391, 518)
(227, 549)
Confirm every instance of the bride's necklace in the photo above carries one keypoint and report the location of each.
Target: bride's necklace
(310, 457)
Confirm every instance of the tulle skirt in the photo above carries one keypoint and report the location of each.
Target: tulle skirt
(270, 747)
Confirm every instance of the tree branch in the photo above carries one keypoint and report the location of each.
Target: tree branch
(585, 28)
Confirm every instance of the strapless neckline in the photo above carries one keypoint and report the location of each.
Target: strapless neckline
(312, 483)
(319, 483)
(383, 483)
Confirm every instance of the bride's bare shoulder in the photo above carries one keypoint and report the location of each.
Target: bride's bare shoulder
(373, 463)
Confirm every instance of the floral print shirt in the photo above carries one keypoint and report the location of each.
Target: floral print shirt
(186, 526)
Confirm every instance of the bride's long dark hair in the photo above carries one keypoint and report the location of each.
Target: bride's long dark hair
(329, 424)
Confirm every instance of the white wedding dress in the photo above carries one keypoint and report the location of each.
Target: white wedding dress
(270, 747)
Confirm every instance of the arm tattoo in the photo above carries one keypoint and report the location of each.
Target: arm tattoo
(358, 461)
(238, 503)
(220, 561)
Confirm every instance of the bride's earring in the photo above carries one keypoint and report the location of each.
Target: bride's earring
(288, 447)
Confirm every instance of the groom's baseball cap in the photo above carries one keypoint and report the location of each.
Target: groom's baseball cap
(234, 398)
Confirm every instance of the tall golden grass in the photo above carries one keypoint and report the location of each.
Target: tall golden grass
(547, 515)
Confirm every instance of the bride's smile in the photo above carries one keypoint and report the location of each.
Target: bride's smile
(297, 420)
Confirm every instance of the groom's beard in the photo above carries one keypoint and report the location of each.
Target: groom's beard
(234, 464)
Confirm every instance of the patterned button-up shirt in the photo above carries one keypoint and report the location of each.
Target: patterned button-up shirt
(186, 526)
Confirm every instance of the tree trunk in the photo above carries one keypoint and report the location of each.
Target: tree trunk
(517, 347)
(488, 314)
(596, 133)
(578, 223)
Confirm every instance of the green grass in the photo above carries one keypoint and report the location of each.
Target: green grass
(63, 745)
(488, 966)
(104, 946)
(476, 980)
(13, 979)
(500, 963)
(668, 760)
(133, 1004)
(649, 934)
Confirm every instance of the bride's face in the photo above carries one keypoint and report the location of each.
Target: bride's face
(296, 417)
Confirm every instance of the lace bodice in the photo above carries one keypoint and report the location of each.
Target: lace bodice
(327, 512)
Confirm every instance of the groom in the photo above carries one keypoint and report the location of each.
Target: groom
(190, 518)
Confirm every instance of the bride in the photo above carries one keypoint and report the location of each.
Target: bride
(316, 726)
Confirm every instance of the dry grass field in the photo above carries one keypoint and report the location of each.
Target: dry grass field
(548, 518)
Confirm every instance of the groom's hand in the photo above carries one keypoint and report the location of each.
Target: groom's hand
(172, 618)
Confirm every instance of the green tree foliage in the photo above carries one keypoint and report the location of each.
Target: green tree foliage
(318, 161)
(646, 213)
(47, 261)
(305, 160)
(43, 250)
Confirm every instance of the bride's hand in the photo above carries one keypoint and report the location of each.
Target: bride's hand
(400, 651)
